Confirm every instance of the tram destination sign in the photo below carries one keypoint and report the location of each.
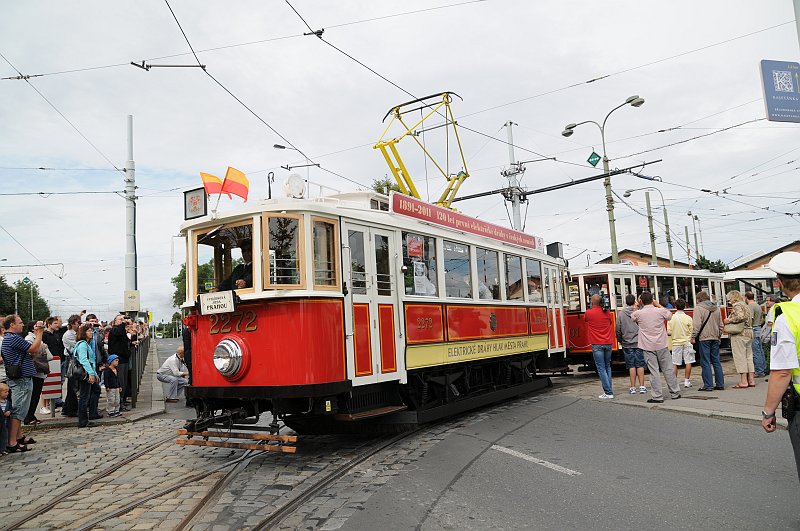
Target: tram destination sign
(414, 208)
(217, 302)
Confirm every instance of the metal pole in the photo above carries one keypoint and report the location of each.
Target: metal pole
(797, 17)
(609, 202)
(696, 247)
(650, 224)
(700, 230)
(31, 301)
(688, 249)
(669, 239)
(130, 214)
(16, 303)
(512, 178)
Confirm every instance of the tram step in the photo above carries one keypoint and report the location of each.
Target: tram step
(369, 413)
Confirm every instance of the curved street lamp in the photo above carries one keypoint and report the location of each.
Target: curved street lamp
(569, 129)
(650, 216)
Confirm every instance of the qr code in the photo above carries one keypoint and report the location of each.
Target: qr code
(783, 81)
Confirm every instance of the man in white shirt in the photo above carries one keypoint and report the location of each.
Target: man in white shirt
(784, 376)
(175, 373)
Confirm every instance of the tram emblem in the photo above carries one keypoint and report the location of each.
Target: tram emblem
(493, 322)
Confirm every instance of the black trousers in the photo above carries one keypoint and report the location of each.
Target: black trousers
(86, 391)
(123, 373)
(70, 408)
(38, 383)
(794, 437)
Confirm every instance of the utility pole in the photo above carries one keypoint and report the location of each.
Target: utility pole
(650, 224)
(513, 183)
(797, 18)
(131, 280)
(16, 303)
(700, 230)
(669, 239)
(688, 249)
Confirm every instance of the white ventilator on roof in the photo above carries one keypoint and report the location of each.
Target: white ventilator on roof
(294, 186)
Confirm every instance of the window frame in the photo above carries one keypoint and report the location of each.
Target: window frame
(523, 281)
(438, 269)
(301, 251)
(526, 276)
(337, 285)
(195, 292)
(500, 279)
(470, 260)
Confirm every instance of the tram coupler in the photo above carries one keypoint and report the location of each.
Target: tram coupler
(227, 418)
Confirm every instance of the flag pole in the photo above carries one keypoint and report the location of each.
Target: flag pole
(219, 195)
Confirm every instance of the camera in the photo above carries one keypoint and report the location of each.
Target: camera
(605, 302)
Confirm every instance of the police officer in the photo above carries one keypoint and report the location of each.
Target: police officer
(785, 353)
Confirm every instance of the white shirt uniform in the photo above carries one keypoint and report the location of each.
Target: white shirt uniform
(783, 353)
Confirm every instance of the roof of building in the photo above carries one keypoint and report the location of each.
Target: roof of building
(781, 249)
(641, 255)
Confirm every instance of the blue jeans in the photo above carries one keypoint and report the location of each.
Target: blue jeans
(634, 358)
(759, 360)
(602, 359)
(709, 355)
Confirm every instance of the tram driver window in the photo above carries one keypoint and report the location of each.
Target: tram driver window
(534, 273)
(284, 235)
(419, 259)
(595, 285)
(684, 290)
(225, 258)
(457, 274)
(326, 244)
(666, 291)
(488, 274)
(644, 283)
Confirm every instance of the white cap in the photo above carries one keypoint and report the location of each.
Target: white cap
(787, 264)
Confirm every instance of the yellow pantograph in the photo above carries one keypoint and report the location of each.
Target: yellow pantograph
(435, 104)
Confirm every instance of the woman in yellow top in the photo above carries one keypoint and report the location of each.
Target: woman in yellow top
(742, 342)
(680, 330)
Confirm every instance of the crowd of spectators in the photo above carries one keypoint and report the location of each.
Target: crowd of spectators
(94, 356)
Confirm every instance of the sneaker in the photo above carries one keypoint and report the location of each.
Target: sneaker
(676, 396)
(719, 387)
(45, 411)
(632, 390)
(605, 396)
(687, 384)
(642, 390)
(655, 401)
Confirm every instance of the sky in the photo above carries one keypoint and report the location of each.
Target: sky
(696, 64)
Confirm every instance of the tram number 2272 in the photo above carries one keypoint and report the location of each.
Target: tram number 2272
(239, 321)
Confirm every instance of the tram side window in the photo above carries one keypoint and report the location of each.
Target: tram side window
(358, 262)
(534, 272)
(666, 291)
(684, 290)
(419, 258)
(284, 244)
(573, 296)
(488, 274)
(325, 247)
(644, 283)
(595, 285)
(457, 274)
(515, 291)
(225, 258)
(701, 284)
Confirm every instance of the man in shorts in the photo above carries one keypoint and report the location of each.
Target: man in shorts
(628, 337)
(680, 330)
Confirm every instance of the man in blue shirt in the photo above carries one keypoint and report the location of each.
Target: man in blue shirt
(18, 358)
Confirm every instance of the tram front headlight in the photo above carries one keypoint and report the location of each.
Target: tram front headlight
(228, 357)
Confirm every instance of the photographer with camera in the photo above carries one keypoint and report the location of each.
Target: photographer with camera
(600, 327)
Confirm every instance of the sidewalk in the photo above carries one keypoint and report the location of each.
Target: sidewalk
(150, 402)
(740, 405)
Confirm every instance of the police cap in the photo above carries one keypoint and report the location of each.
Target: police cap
(786, 264)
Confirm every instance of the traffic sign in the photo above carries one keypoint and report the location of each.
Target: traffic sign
(593, 159)
(780, 81)
(26, 281)
(130, 301)
(208, 285)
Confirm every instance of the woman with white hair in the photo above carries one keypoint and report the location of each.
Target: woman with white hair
(739, 326)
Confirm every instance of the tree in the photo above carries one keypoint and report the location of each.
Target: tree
(41, 310)
(384, 186)
(205, 272)
(6, 297)
(717, 266)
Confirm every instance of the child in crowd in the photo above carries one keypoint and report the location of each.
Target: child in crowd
(5, 413)
(113, 386)
(680, 329)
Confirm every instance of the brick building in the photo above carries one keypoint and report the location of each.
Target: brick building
(642, 259)
(762, 260)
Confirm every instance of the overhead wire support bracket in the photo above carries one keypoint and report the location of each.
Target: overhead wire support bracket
(317, 33)
(145, 66)
(290, 167)
(438, 104)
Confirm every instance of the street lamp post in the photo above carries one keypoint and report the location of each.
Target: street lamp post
(695, 223)
(634, 101)
(666, 219)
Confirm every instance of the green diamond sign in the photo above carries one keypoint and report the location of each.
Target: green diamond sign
(593, 159)
(26, 281)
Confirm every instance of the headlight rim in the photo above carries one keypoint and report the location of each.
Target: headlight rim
(236, 357)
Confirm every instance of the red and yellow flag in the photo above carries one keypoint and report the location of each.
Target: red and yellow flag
(235, 183)
(212, 184)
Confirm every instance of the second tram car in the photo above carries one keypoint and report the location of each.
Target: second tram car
(761, 282)
(615, 281)
(355, 306)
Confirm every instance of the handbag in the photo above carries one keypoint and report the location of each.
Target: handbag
(733, 329)
(75, 370)
(13, 371)
(41, 365)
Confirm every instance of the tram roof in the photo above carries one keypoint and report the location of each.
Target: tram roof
(763, 272)
(642, 270)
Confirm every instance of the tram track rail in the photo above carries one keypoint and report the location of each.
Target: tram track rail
(82, 484)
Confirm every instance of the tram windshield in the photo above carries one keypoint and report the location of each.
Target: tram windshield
(224, 258)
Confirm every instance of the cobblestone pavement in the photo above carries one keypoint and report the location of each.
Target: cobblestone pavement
(63, 457)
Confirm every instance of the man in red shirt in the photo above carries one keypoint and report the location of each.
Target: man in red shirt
(601, 335)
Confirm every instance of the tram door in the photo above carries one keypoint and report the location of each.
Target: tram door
(554, 289)
(623, 285)
(373, 342)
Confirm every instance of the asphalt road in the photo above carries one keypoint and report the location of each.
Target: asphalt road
(566, 463)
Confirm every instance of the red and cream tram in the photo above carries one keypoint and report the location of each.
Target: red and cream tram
(761, 282)
(615, 281)
(357, 305)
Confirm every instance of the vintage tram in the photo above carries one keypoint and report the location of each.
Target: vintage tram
(348, 308)
(615, 282)
(762, 282)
